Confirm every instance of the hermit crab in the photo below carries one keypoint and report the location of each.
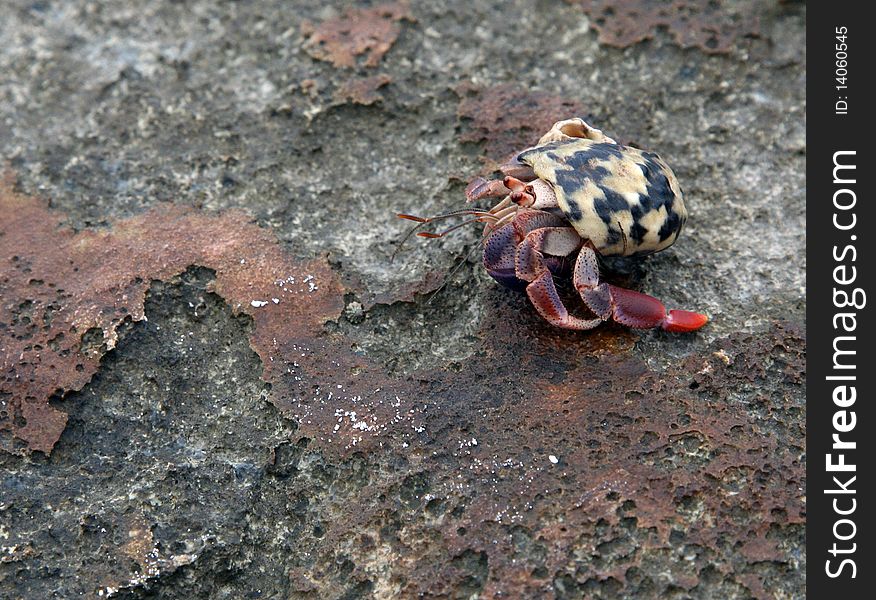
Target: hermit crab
(572, 198)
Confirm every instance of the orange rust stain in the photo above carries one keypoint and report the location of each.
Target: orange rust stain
(508, 118)
(713, 26)
(358, 31)
(362, 90)
(666, 452)
(64, 294)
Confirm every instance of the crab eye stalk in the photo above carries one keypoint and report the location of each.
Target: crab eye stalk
(524, 199)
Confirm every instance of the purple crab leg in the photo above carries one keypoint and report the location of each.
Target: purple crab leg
(530, 266)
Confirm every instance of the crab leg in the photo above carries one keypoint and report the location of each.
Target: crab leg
(530, 266)
(627, 307)
(481, 188)
(500, 243)
(526, 221)
(502, 217)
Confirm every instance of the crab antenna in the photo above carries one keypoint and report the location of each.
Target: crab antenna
(452, 213)
(431, 235)
(423, 220)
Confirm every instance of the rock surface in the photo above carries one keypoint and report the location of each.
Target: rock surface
(384, 429)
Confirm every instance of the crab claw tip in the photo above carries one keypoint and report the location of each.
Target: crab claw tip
(476, 185)
(684, 321)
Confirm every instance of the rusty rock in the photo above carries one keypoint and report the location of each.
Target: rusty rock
(572, 467)
(363, 90)
(713, 27)
(358, 31)
(508, 118)
(65, 295)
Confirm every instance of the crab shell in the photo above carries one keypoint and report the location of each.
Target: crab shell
(624, 200)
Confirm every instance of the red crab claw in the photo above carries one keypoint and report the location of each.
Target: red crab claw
(683, 321)
(639, 310)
